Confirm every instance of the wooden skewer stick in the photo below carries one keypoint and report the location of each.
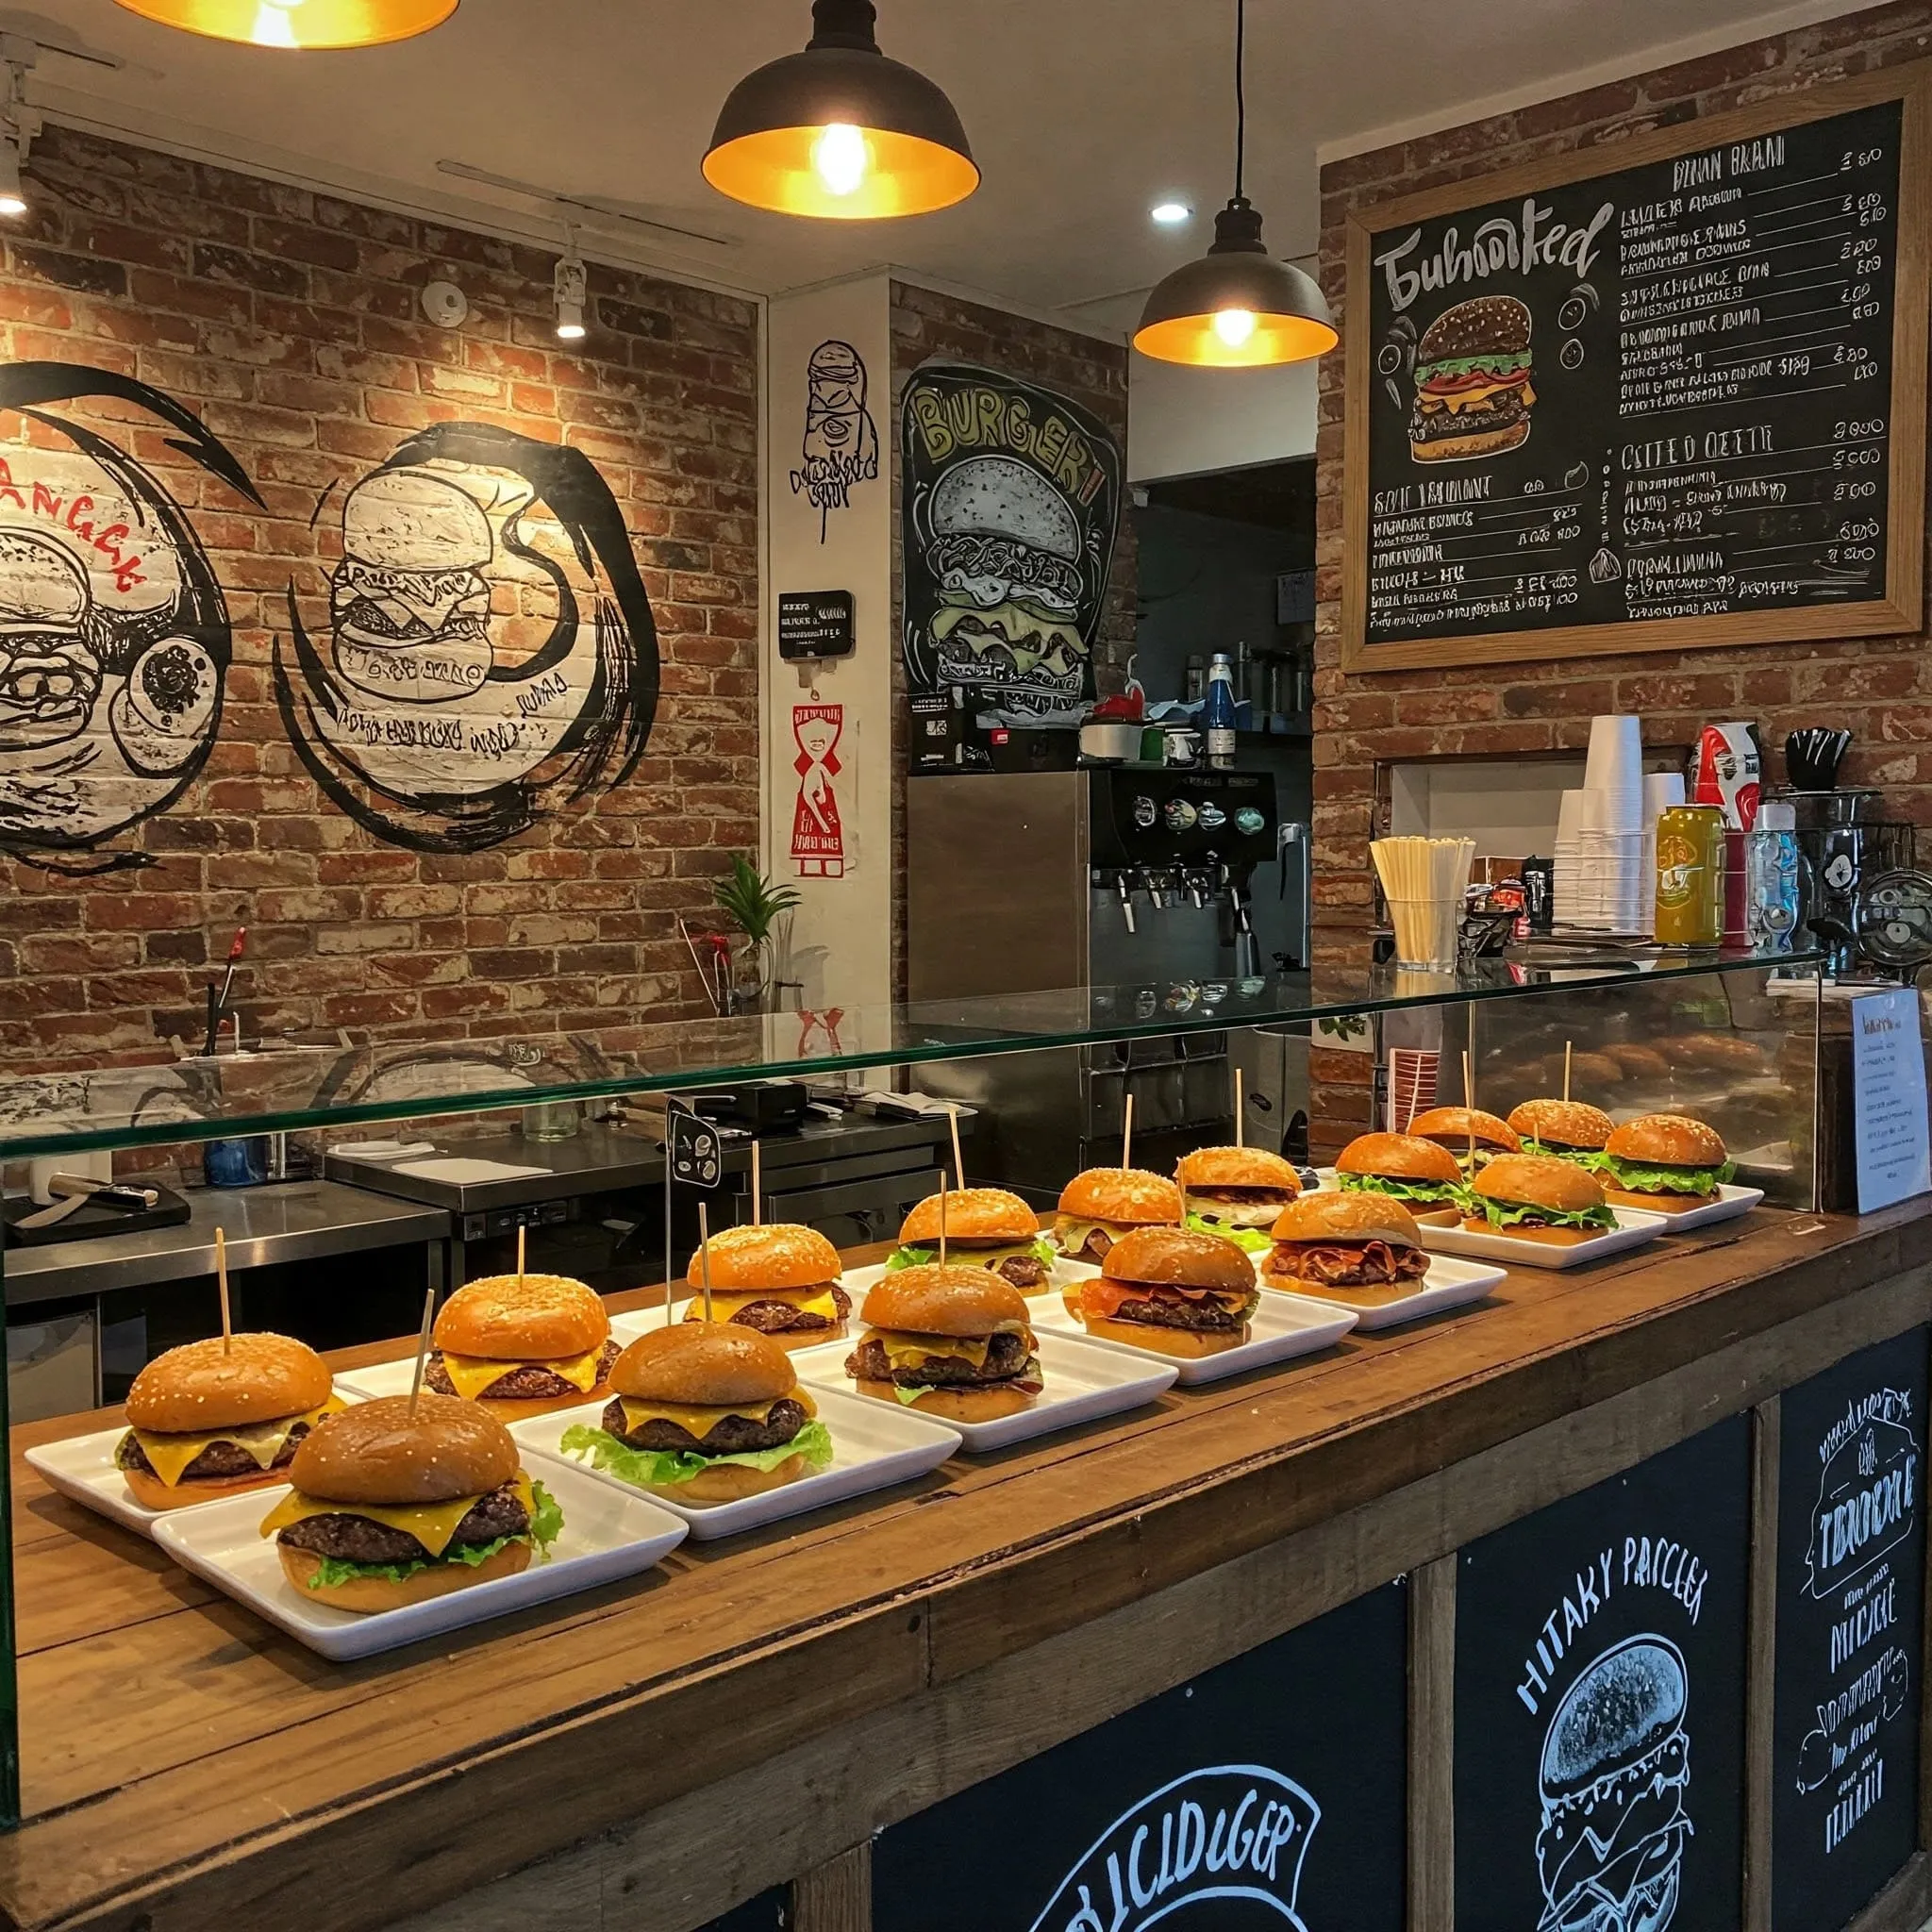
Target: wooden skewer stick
(958, 1158)
(756, 1211)
(422, 1347)
(1240, 1130)
(1128, 1134)
(519, 1258)
(222, 1283)
(1468, 1104)
(704, 1255)
(943, 1216)
(1569, 1046)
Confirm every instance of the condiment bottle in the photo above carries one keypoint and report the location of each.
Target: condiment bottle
(1218, 713)
(1690, 875)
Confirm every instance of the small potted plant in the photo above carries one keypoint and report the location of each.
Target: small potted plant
(754, 905)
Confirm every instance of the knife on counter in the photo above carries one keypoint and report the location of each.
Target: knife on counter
(71, 1192)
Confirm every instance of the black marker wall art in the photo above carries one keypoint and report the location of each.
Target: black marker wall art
(114, 636)
(1011, 504)
(841, 443)
(488, 654)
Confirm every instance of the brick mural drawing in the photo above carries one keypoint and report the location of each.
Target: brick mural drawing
(114, 636)
(488, 653)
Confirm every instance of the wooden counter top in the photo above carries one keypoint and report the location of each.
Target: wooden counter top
(183, 1762)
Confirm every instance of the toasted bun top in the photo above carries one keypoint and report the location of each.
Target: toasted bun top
(202, 1386)
(1563, 1122)
(1457, 1124)
(1179, 1258)
(1326, 1217)
(1236, 1167)
(1538, 1180)
(535, 1317)
(1484, 325)
(1401, 1156)
(932, 1300)
(781, 1254)
(377, 1452)
(974, 1214)
(1122, 1193)
(710, 1362)
(1667, 1140)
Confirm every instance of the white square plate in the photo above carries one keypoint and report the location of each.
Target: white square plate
(873, 1447)
(607, 1534)
(1284, 1326)
(1449, 1284)
(1084, 1380)
(82, 1467)
(1634, 1229)
(1730, 1202)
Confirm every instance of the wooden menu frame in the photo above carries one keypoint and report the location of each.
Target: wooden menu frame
(1901, 608)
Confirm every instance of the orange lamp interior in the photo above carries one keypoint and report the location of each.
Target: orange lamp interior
(1276, 339)
(299, 23)
(902, 175)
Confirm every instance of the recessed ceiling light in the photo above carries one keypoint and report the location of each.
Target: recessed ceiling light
(1170, 215)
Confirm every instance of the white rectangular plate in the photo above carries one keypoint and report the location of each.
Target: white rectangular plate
(1284, 1326)
(1084, 1380)
(1449, 1284)
(1634, 1229)
(874, 1446)
(82, 1467)
(1730, 1202)
(607, 1534)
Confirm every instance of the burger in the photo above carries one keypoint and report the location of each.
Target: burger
(1473, 1137)
(1236, 1193)
(1473, 392)
(1666, 1162)
(952, 1341)
(50, 673)
(393, 1504)
(705, 1413)
(1565, 1129)
(1102, 1204)
(779, 1279)
(1637, 1062)
(1722, 1053)
(210, 1418)
(1171, 1290)
(1005, 555)
(1533, 1197)
(531, 1342)
(1366, 1246)
(1403, 1168)
(986, 1227)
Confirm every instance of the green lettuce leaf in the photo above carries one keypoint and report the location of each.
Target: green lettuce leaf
(1512, 1214)
(1639, 1179)
(1041, 1250)
(1502, 363)
(1576, 1156)
(662, 1467)
(546, 1519)
(1430, 1193)
(1253, 1239)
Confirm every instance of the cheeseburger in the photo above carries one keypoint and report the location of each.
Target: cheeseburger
(1427, 1177)
(705, 1413)
(1236, 1192)
(1368, 1246)
(986, 1227)
(1174, 1291)
(1473, 1137)
(528, 1341)
(1666, 1162)
(1472, 395)
(1567, 1129)
(1532, 1197)
(206, 1419)
(1100, 1206)
(952, 1341)
(779, 1279)
(391, 1507)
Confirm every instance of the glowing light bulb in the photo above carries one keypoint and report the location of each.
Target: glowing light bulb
(840, 158)
(273, 25)
(1235, 327)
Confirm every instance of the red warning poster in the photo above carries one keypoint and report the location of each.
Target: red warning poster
(817, 834)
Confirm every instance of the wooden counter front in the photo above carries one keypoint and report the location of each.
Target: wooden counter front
(746, 1712)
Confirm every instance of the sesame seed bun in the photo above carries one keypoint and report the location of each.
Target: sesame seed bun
(1399, 1158)
(377, 1452)
(1667, 1140)
(1236, 1167)
(779, 1255)
(1562, 1123)
(1129, 1196)
(978, 1402)
(1454, 1127)
(1180, 1257)
(369, 1594)
(204, 1387)
(1537, 1181)
(1330, 1216)
(536, 1318)
(705, 1362)
(973, 1214)
(950, 1300)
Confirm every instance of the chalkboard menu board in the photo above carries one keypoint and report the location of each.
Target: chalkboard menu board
(1600, 1702)
(1268, 1792)
(1680, 402)
(1851, 1604)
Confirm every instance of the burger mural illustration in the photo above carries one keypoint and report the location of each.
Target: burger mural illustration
(114, 637)
(1010, 506)
(1473, 392)
(488, 653)
(1615, 1765)
(840, 448)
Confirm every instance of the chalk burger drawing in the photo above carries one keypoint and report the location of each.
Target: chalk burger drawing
(1473, 388)
(490, 651)
(114, 636)
(1616, 1766)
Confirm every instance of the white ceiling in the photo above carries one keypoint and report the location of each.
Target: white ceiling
(1081, 113)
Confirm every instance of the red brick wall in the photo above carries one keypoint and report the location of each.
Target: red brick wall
(288, 322)
(1880, 688)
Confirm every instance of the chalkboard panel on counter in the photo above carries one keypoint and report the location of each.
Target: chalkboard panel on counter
(1268, 1792)
(1600, 1702)
(1676, 402)
(1851, 1607)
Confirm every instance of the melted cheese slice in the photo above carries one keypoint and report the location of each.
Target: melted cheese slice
(169, 1455)
(906, 1351)
(1460, 400)
(699, 1420)
(471, 1375)
(431, 1523)
(723, 1306)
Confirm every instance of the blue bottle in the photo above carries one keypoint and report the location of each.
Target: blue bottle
(1218, 713)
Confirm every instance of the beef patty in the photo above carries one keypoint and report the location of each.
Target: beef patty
(356, 1538)
(1022, 1271)
(1242, 1197)
(218, 1461)
(1009, 1357)
(787, 1318)
(733, 1435)
(1164, 1309)
(527, 1383)
(1498, 412)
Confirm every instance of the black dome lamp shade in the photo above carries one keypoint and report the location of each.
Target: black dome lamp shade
(839, 132)
(1237, 308)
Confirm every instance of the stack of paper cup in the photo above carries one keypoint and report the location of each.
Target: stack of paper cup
(1661, 791)
(1566, 876)
(1607, 854)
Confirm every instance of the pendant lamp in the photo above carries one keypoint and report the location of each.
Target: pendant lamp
(299, 23)
(839, 132)
(1237, 308)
